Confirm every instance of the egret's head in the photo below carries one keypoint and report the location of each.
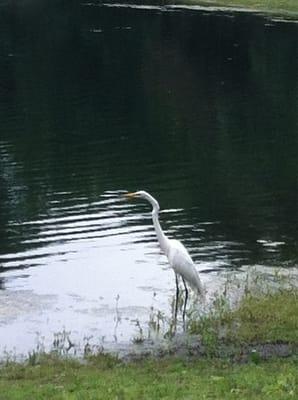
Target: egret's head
(141, 194)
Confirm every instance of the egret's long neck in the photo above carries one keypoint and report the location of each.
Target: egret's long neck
(162, 239)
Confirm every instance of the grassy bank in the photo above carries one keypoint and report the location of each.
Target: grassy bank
(105, 378)
(266, 317)
(272, 6)
(259, 319)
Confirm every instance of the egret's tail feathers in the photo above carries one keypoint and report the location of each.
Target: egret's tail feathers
(197, 285)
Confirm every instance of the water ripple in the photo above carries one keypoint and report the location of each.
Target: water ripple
(72, 219)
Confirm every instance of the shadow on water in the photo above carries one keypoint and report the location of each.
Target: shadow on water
(198, 108)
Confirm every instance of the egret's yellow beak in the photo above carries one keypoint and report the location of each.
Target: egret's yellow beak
(130, 195)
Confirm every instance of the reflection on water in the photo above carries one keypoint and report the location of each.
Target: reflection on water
(198, 108)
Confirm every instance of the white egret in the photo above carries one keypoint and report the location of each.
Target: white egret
(178, 256)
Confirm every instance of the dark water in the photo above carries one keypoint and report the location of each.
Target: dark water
(198, 108)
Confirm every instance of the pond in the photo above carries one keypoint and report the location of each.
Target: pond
(199, 108)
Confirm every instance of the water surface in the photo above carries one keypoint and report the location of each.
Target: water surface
(198, 108)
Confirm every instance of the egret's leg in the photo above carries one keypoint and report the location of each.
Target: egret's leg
(177, 286)
(186, 290)
(177, 297)
(185, 302)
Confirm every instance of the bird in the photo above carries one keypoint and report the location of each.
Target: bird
(178, 257)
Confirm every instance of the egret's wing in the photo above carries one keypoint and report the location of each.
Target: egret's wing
(183, 265)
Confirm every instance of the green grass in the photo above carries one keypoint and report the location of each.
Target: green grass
(259, 318)
(270, 318)
(150, 379)
(273, 6)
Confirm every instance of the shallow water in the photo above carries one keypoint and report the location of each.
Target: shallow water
(198, 108)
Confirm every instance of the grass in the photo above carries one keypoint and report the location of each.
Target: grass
(259, 318)
(272, 318)
(280, 8)
(272, 6)
(107, 378)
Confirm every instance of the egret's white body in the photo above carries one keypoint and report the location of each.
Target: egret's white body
(178, 256)
(182, 264)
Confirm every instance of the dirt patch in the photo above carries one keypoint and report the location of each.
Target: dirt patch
(188, 347)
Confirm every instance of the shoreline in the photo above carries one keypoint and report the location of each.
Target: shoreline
(247, 351)
(280, 12)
